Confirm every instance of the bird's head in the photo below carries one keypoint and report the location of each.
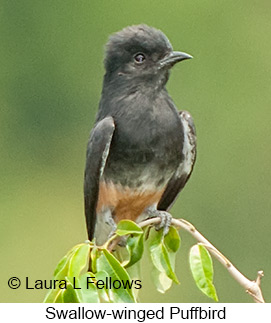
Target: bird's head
(141, 53)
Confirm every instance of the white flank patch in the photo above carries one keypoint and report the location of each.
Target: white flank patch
(189, 151)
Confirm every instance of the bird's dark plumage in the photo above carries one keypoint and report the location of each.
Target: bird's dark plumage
(141, 150)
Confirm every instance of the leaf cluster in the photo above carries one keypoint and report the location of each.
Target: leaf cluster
(86, 265)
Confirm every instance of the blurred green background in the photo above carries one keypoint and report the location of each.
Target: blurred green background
(51, 57)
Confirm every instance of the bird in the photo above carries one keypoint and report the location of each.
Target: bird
(141, 150)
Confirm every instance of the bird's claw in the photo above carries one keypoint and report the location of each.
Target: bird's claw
(165, 222)
(122, 240)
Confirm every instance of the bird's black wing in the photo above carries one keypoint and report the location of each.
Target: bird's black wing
(97, 152)
(182, 174)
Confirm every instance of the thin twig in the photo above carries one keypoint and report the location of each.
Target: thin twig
(112, 243)
(252, 287)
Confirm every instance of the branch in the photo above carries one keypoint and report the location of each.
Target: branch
(252, 287)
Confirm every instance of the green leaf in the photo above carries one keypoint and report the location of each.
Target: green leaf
(160, 254)
(58, 297)
(135, 247)
(79, 260)
(70, 295)
(102, 292)
(107, 262)
(71, 265)
(54, 295)
(62, 267)
(161, 260)
(161, 280)
(126, 227)
(93, 257)
(155, 237)
(202, 270)
(88, 292)
(172, 240)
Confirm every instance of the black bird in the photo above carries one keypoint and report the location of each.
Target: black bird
(141, 150)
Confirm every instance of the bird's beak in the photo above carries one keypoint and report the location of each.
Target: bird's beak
(172, 58)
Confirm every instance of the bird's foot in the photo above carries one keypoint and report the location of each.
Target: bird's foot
(165, 219)
(112, 224)
(121, 241)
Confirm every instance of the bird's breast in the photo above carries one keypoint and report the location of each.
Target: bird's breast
(126, 202)
(147, 144)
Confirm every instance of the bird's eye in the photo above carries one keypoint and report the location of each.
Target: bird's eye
(139, 58)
